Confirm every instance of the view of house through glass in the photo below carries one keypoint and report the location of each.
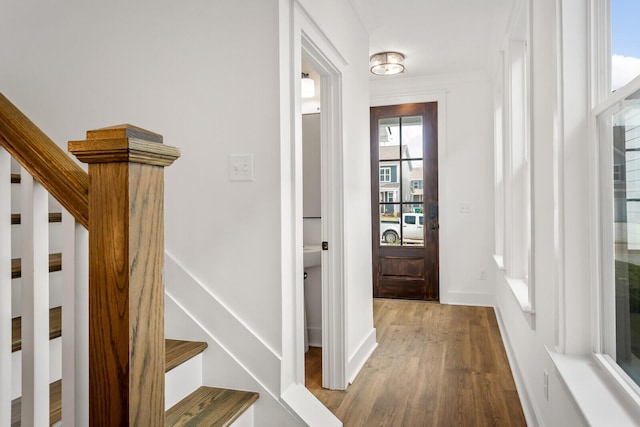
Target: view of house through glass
(625, 134)
(401, 171)
(619, 136)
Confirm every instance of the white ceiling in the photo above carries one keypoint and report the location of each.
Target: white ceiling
(436, 36)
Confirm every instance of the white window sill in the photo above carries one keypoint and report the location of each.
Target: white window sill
(521, 292)
(598, 401)
(499, 259)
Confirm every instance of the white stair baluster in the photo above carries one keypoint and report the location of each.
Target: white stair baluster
(35, 302)
(75, 323)
(5, 288)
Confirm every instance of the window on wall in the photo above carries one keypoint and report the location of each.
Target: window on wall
(512, 160)
(618, 122)
(619, 129)
(499, 177)
(625, 42)
(518, 173)
(385, 174)
(387, 196)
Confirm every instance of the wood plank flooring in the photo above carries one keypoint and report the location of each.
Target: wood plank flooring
(435, 365)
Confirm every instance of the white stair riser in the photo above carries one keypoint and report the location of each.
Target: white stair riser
(55, 293)
(179, 382)
(55, 237)
(55, 366)
(182, 381)
(246, 419)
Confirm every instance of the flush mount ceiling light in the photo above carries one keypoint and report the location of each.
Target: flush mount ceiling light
(386, 63)
(308, 86)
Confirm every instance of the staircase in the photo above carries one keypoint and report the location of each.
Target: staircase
(96, 339)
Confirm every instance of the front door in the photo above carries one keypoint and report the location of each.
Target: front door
(404, 196)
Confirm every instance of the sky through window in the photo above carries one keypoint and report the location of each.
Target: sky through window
(625, 42)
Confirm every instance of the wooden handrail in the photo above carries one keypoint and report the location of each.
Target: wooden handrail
(126, 254)
(54, 169)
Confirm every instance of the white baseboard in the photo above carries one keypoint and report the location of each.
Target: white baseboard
(236, 358)
(360, 356)
(468, 298)
(310, 410)
(315, 336)
(209, 312)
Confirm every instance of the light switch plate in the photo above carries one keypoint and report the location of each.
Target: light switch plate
(465, 207)
(241, 167)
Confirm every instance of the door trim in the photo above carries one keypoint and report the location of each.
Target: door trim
(309, 42)
(441, 98)
(412, 273)
(334, 343)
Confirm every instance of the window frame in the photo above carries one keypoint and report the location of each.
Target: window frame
(388, 196)
(605, 103)
(605, 337)
(386, 171)
(513, 187)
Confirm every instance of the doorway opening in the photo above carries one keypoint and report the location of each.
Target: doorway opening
(325, 220)
(312, 224)
(404, 197)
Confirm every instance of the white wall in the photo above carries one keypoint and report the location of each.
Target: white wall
(564, 317)
(208, 76)
(465, 172)
(179, 70)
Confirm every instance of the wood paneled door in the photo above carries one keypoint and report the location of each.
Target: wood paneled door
(404, 198)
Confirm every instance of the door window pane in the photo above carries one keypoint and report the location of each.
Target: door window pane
(412, 225)
(390, 224)
(412, 179)
(401, 171)
(389, 185)
(412, 137)
(389, 138)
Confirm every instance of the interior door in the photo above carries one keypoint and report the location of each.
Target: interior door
(404, 197)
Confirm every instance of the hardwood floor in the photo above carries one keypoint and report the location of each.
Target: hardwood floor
(435, 365)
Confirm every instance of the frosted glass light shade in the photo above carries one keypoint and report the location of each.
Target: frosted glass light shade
(308, 88)
(386, 63)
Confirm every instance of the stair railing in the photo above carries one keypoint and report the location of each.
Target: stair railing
(120, 202)
(5, 288)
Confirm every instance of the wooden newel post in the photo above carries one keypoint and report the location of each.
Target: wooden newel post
(126, 290)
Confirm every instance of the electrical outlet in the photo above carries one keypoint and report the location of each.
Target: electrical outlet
(241, 167)
(546, 385)
(483, 274)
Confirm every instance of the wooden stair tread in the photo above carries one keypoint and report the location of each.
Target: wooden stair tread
(178, 351)
(55, 328)
(53, 217)
(210, 406)
(55, 405)
(55, 264)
